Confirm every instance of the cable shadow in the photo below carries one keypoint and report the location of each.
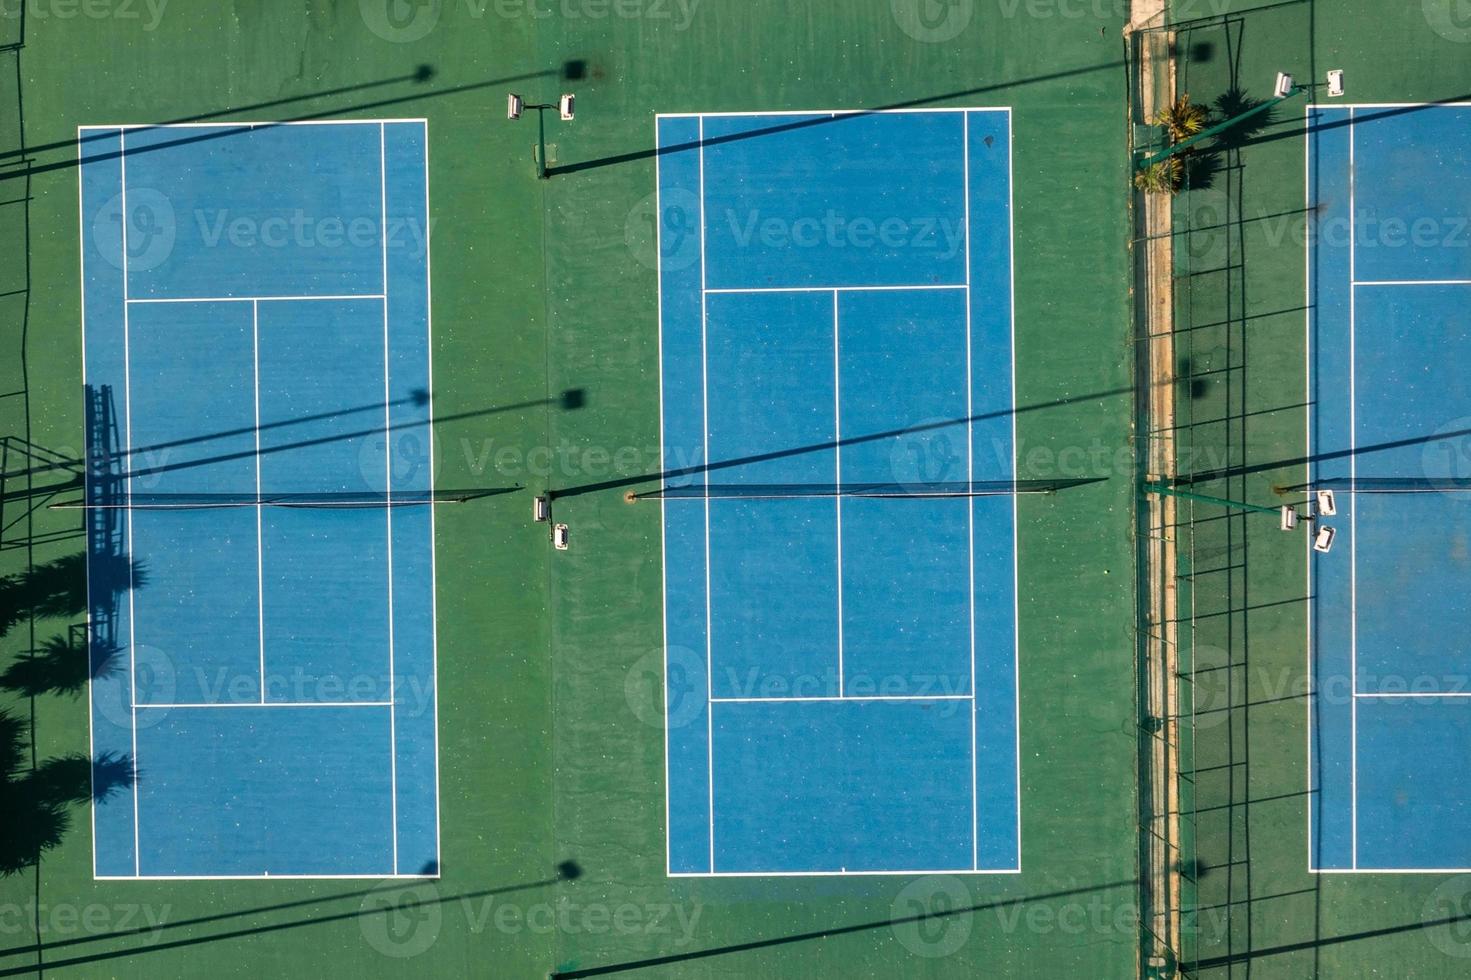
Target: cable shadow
(106, 459)
(707, 468)
(1293, 461)
(825, 934)
(565, 871)
(1360, 116)
(1319, 942)
(419, 75)
(567, 69)
(651, 152)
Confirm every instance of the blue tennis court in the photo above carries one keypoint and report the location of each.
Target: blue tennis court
(841, 642)
(1390, 342)
(260, 561)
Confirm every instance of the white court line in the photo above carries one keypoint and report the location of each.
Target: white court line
(1416, 694)
(1412, 282)
(1307, 400)
(663, 467)
(1353, 516)
(388, 492)
(253, 299)
(126, 302)
(86, 489)
(825, 112)
(263, 877)
(429, 434)
(849, 697)
(1389, 871)
(970, 507)
(705, 396)
(1016, 607)
(705, 292)
(838, 476)
(837, 289)
(260, 552)
(128, 412)
(839, 874)
(254, 124)
(265, 704)
(1384, 105)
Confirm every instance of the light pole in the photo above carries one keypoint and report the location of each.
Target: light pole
(566, 108)
(1287, 514)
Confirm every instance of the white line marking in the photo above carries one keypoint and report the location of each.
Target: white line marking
(705, 395)
(838, 289)
(1416, 694)
(815, 113)
(840, 874)
(128, 413)
(1307, 304)
(429, 431)
(87, 490)
(1353, 564)
(1412, 282)
(838, 476)
(848, 697)
(254, 124)
(1016, 612)
(261, 877)
(1384, 105)
(705, 292)
(1389, 871)
(388, 493)
(254, 299)
(663, 466)
(265, 704)
(260, 552)
(970, 506)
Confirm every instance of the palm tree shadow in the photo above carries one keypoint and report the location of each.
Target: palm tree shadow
(1202, 169)
(60, 666)
(37, 800)
(1233, 102)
